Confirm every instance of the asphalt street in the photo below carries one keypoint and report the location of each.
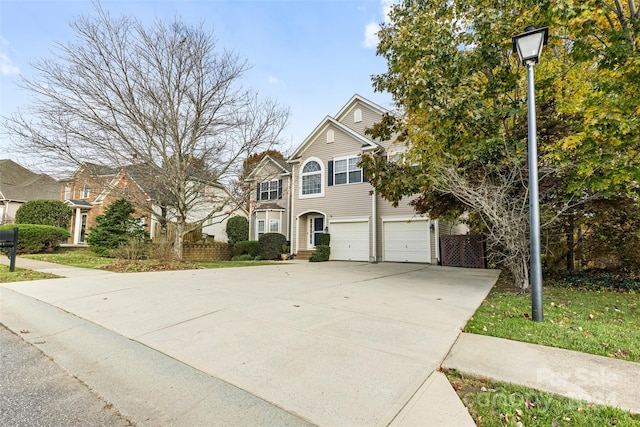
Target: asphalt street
(35, 391)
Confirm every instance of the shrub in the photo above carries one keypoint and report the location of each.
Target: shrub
(325, 239)
(114, 228)
(162, 251)
(33, 238)
(321, 254)
(237, 230)
(596, 280)
(244, 257)
(44, 212)
(132, 250)
(271, 245)
(251, 247)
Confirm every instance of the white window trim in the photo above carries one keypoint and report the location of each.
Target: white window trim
(277, 223)
(337, 159)
(85, 193)
(269, 190)
(264, 223)
(322, 179)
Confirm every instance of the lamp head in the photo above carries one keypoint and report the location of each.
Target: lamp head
(529, 44)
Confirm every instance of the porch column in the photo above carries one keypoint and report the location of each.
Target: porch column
(78, 227)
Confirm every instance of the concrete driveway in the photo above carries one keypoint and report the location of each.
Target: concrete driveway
(336, 343)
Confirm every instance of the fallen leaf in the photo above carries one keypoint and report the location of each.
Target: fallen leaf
(526, 315)
(24, 331)
(591, 317)
(296, 305)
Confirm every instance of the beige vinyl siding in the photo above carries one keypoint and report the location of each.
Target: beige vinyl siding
(268, 173)
(369, 117)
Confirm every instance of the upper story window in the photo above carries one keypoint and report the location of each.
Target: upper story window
(311, 178)
(86, 192)
(67, 192)
(270, 190)
(346, 171)
(357, 116)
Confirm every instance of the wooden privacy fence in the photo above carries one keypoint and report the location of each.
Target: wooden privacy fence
(467, 250)
(193, 236)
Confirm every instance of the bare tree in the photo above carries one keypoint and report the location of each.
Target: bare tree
(164, 98)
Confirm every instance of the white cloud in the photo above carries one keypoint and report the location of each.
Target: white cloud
(371, 35)
(7, 68)
(276, 81)
(372, 28)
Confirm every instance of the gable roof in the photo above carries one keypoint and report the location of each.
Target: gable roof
(357, 98)
(282, 165)
(18, 183)
(367, 144)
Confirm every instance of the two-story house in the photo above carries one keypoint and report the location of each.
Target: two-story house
(329, 193)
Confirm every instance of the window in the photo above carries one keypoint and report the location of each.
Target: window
(274, 226)
(260, 228)
(357, 116)
(270, 190)
(346, 171)
(86, 192)
(311, 178)
(67, 192)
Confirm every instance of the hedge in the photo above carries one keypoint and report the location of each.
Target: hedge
(247, 247)
(271, 245)
(321, 254)
(34, 238)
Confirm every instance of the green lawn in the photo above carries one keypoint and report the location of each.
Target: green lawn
(22, 275)
(604, 323)
(87, 259)
(498, 404)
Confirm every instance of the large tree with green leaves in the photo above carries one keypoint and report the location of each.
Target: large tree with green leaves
(461, 96)
(164, 98)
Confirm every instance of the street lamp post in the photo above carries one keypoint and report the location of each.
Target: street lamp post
(529, 45)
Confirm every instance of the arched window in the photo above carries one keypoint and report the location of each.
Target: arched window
(311, 178)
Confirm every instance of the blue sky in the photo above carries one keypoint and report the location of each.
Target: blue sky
(310, 55)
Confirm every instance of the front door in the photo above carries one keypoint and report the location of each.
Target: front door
(316, 228)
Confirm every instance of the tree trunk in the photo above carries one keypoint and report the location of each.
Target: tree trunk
(570, 243)
(178, 239)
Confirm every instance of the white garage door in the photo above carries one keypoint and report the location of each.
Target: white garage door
(407, 241)
(349, 241)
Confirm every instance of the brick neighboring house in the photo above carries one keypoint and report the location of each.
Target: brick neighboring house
(322, 189)
(92, 188)
(18, 185)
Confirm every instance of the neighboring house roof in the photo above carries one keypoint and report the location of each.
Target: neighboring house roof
(78, 204)
(18, 183)
(367, 144)
(282, 165)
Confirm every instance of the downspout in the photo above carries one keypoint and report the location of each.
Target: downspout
(436, 231)
(294, 225)
(251, 218)
(374, 214)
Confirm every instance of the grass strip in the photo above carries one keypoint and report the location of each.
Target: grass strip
(496, 404)
(603, 323)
